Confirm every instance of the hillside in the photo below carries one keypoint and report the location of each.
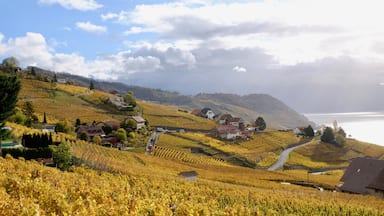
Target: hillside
(277, 114)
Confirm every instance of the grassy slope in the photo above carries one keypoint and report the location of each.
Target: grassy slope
(324, 155)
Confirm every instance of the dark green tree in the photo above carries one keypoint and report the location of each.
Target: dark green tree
(260, 124)
(45, 119)
(54, 78)
(91, 86)
(309, 131)
(341, 132)
(9, 90)
(78, 122)
(328, 136)
(84, 136)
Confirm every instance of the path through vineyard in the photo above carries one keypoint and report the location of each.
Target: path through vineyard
(283, 157)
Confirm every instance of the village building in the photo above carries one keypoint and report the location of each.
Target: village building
(140, 122)
(207, 113)
(364, 176)
(92, 130)
(228, 132)
(120, 104)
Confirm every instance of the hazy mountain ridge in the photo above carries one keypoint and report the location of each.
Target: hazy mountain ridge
(249, 107)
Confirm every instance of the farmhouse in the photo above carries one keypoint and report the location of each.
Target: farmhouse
(364, 176)
(207, 113)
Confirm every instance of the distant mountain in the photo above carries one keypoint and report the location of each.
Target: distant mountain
(249, 107)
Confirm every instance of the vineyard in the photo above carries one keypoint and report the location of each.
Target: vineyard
(167, 116)
(141, 185)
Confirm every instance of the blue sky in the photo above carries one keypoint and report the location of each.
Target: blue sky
(277, 47)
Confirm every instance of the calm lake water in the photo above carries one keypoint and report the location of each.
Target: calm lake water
(364, 126)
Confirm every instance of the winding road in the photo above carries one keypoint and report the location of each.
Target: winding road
(283, 157)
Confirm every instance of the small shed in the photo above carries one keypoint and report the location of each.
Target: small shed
(188, 175)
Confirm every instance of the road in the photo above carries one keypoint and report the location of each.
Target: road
(283, 157)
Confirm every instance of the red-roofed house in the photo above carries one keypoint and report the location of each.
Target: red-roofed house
(229, 132)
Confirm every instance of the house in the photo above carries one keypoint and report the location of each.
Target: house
(228, 132)
(224, 119)
(364, 176)
(207, 113)
(299, 131)
(188, 175)
(237, 122)
(92, 130)
(140, 122)
(48, 128)
(114, 125)
(62, 81)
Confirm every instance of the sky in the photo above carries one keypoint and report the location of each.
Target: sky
(316, 56)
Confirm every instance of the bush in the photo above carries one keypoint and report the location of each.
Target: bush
(62, 156)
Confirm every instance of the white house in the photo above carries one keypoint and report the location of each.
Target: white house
(140, 122)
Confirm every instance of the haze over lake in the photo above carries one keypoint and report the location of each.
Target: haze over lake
(364, 126)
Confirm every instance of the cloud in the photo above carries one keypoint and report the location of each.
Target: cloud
(82, 5)
(239, 69)
(89, 27)
(33, 49)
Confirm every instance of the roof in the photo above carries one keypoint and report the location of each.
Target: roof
(196, 112)
(138, 119)
(188, 174)
(205, 110)
(223, 129)
(225, 117)
(361, 173)
(378, 182)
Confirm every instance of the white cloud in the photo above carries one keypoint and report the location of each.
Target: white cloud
(109, 16)
(82, 5)
(89, 27)
(33, 49)
(239, 69)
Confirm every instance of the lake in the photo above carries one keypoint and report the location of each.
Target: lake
(364, 126)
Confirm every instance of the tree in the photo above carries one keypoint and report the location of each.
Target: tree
(328, 136)
(10, 64)
(129, 98)
(309, 131)
(45, 119)
(84, 136)
(78, 122)
(260, 124)
(121, 134)
(9, 90)
(129, 125)
(64, 126)
(62, 156)
(29, 112)
(341, 132)
(91, 86)
(54, 78)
